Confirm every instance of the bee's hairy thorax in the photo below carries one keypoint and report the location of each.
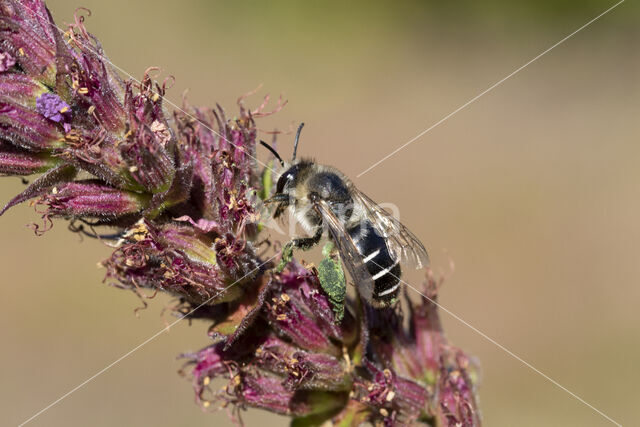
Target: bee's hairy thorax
(332, 186)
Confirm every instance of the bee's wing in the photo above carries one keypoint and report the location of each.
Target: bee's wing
(349, 254)
(403, 244)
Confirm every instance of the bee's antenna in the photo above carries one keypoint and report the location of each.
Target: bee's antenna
(273, 151)
(295, 144)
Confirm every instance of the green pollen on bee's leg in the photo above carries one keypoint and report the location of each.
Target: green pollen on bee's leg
(333, 281)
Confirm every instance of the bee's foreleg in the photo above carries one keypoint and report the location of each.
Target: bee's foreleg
(306, 243)
(303, 243)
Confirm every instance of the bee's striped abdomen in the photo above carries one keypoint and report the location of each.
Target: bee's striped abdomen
(384, 270)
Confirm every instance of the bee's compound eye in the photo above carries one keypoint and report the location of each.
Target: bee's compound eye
(281, 183)
(287, 179)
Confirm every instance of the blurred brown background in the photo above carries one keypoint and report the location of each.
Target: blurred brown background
(532, 190)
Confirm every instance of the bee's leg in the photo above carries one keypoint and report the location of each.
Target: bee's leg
(306, 243)
(303, 243)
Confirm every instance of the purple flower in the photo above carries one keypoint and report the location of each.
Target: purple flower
(293, 344)
(180, 194)
(52, 107)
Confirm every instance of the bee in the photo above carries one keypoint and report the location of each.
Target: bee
(371, 243)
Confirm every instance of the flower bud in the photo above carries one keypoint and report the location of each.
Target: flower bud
(305, 291)
(21, 89)
(395, 399)
(147, 161)
(27, 128)
(302, 369)
(13, 162)
(27, 35)
(91, 199)
(173, 259)
(268, 392)
(236, 258)
(298, 324)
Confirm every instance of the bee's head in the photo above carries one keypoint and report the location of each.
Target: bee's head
(289, 178)
(287, 186)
